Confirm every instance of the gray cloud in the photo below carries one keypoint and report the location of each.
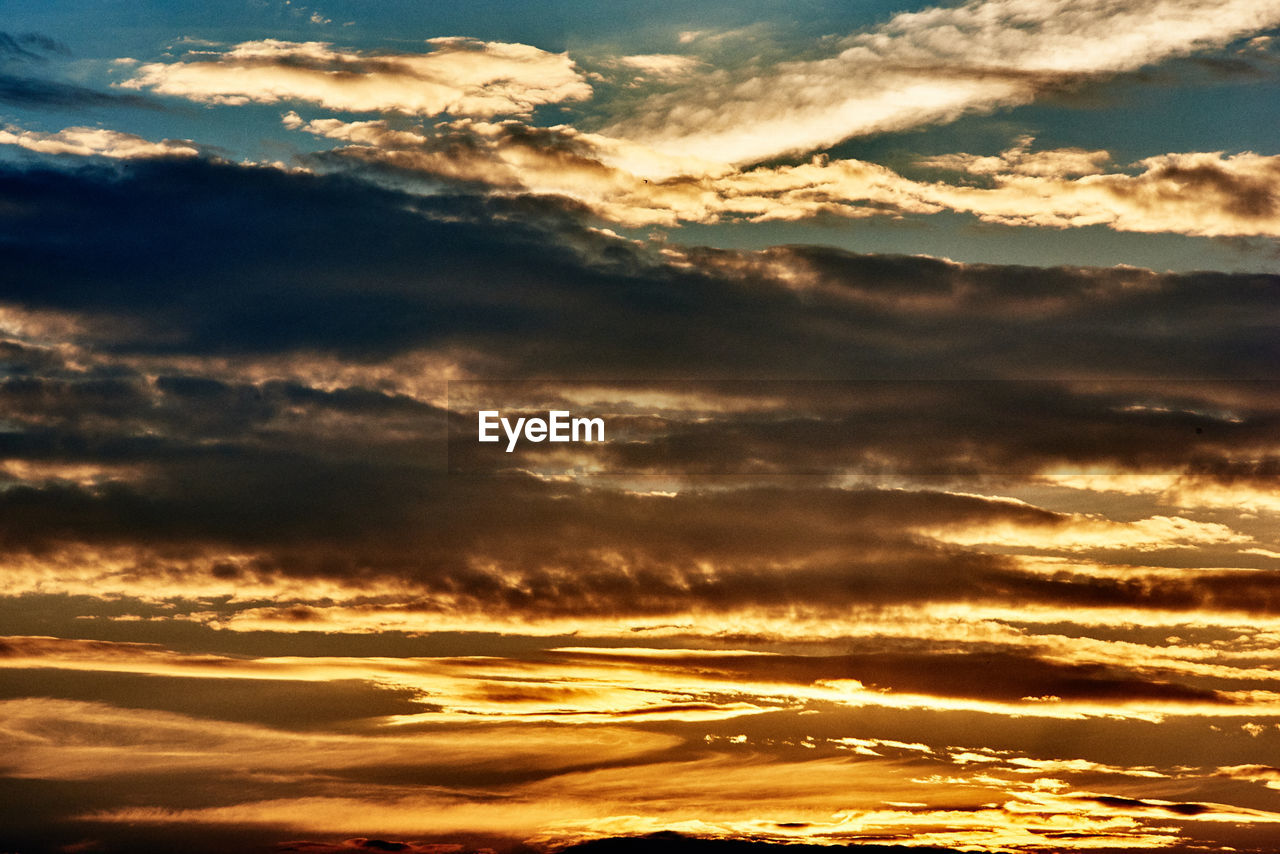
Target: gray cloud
(167, 394)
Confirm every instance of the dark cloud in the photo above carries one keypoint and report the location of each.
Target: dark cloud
(167, 288)
(1243, 195)
(153, 241)
(24, 90)
(35, 92)
(199, 259)
(1006, 676)
(470, 845)
(1134, 803)
(317, 263)
(29, 47)
(47, 817)
(681, 844)
(220, 379)
(523, 547)
(287, 705)
(921, 427)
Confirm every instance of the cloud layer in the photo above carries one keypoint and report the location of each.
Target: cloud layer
(969, 556)
(1201, 194)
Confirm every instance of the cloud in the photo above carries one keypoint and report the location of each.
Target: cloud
(1007, 678)
(29, 47)
(1176, 490)
(447, 774)
(75, 740)
(443, 690)
(100, 142)
(34, 92)
(930, 66)
(263, 433)
(608, 176)
(1020, 160)
(429, 551)
(365, 844)
(601, 686)
(660, 65)
(1081, 533)
(1265, 774)
(457, 76)
(1197, 193)
(457, 297)
(227, 430)
(34, 49)
(963, 810)
(1200, 193)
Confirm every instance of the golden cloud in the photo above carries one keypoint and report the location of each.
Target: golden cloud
(459, 76)
(100, 142)
(930, 66)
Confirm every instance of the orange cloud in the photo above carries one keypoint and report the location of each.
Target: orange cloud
(1082, 532)
(823, 800)
(72, 740)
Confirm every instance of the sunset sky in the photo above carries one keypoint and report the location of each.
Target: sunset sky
(938, 349)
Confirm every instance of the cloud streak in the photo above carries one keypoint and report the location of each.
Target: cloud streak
(99, 142)
(931, 66)
(1198, 193)
(458, 76)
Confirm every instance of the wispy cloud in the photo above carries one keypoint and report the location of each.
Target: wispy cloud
(660, 65)
(1021, 160)
(29, 47)
(1198, 193)
(456, 75)
(930, 66)
(99, 142)
(975, 809)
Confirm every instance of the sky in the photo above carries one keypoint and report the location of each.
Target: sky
(936, 348)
